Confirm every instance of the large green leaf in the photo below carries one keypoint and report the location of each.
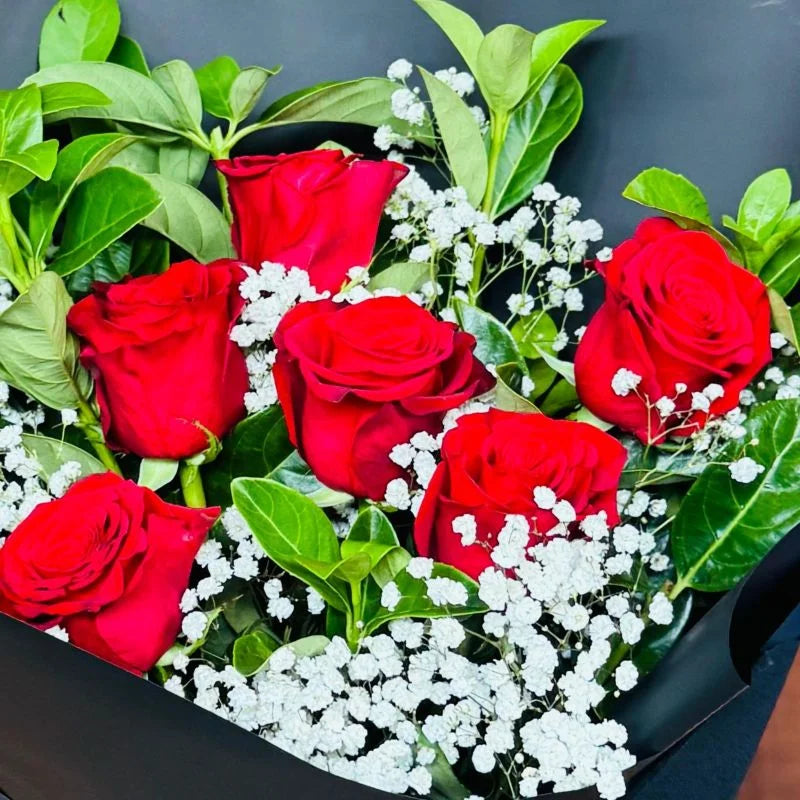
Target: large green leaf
(552, 44)
(371, 534)
(18, 170)
(189, 219)
(724, 528)
(135, 99)
(128, 52)
(459, 27)
(462, 138)
(108, 266)
(77, 162)
(504, 65)
(495, 344)
(37, 354)
(782, 271)
(78, 30)
(290, 527)
(20, 119)
(180, 85)
(181, 161)
(367, 101)
(52, 454)
(536, 129)
(678, 198)
(101, 210)
(764, 203)
(58, 97)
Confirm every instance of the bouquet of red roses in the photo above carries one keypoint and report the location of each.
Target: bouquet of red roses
(348, 463)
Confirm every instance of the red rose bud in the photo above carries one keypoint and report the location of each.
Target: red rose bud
(160, 352)
(109, 561)
(318, 210)
(677, 313)
(356, 380)
(492, 462)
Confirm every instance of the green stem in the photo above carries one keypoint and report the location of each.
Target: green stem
(19, 277)
(192, 486)
(353, 629)
(223, 193)
(91, 427)
(499, 128)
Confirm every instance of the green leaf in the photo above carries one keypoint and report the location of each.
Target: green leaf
(135, 99)
(251, 652)
(78, 30)
(508, 393)
(296, 474)
(764, 203)
(372, 534)
(216, 80)
(495, 345)
(189, 219)
(355, 568)
(678, 198)
(782, 319)
(414, 600)
(658, 639)
(782, 271)
(724, 528)
(58, 97)
(584, 415)
(150, 254)
(459, 27)
(561, 397)
(182, 162)
(652, 466)
(155, 473)
(247, 88)
(289, 527)
(504, 64)
(406, 276)
(180, 85)
(52, 454)
(534, 334)
(255, 447)
(366, 101)
(17, 171)
(552, 44)
(128, 53)
(462, 138)
(77, 162)
(108, 266)
(20, 119)
(566, 369)
(535, 130)
(308, 646)
(101, 210)
(38, 355)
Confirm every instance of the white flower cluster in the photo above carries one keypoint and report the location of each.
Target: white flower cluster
(269, 293)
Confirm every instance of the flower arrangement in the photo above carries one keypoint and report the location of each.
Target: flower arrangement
(349, 462)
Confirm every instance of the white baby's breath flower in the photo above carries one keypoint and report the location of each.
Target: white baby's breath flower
(624, 382)
(745, 470)
(399, 70)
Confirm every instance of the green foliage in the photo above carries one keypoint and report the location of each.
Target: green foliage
(494, 343)
(127, 52)
(155, 473)
(459, 27)
(504, 66)
(52, 454)
(406, 276)
(251, 652)
(108, 266)
(78, 30)
(230, 92)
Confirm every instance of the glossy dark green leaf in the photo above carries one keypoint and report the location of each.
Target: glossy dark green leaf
(462, 138)
(100, 211)
(296, 474)
(371, 534)
(494, 343)
(150, 255)
(459, 27)
(658, 639)
(188, 218)
(651, 466)
(108, 266)
(289, 527)
(724, 527)
(251, 652)
(782, 271)
(52, 454)
(561, 397)
(38, 355)
(78, 30)
(504, 65)
(535, 130)
(764, 203)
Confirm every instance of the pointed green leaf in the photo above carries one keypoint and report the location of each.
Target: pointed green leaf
(406, 276)
(128, 53)
(372, 534)
(251, 652)
(534, 334)
(155, 473)
(20, 119)
(296, 474)
(764, 203)
(247, 88)
(508, 393)
(494, 344)
(180, 85)
(782, 271)
(504, 65)
(18, 170)
(216, 80)
(459, 27)
(58, 97)
(78, 30)
(52, 454)
(782, 319)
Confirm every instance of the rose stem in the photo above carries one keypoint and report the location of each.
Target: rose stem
(192, 486)
(90, 425)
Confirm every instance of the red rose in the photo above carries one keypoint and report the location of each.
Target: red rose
(677, 311)
(356, 380)
(492, 462)
(162, 359)
(318, 210)
(109, 561)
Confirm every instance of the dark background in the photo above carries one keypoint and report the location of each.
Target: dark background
(703, 87)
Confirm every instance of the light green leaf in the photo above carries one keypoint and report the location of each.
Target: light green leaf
(38, 355)
(782, 271)
(355, 568)
(459, 27)
(247, 88)
(182, 161)
(296, 474)
(584, 415)
(251, 652)
(289, 526)
(495, 344)
(215, 80)
(154, 473)
(52, 454)
(77, 162)
(58, 97)
(534, 334)
(366, 101)
(78, 30)
(461, 135)
(102, 209)
(782, 319)
(724, 527)
(18, 170)
(508, 392)
(764, 203)
(406, 276)
(180, 85)
(20, 119)
(371, 534)
(135, 99)
(552, 44)
(536, 129)
(308, 646)
(128, 53)
(189, 219)
(504, 65)
(414, 600)
(108, 266)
